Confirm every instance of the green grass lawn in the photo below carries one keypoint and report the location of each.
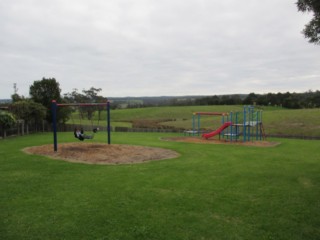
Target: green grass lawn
(209, 192)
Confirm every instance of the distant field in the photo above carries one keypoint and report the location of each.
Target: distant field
(279, 121)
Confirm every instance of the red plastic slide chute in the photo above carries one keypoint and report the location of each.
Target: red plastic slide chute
(215, 132)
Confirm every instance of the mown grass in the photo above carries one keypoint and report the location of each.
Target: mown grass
(301, 122)
(209, 192)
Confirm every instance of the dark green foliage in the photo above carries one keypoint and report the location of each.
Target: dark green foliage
(250, 99)
(7, 120)
(44, 91)
(308, 99)
(312, 29)
(28, 110)
(87, 96)
(16, 97)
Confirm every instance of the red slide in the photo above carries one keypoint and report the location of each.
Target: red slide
(215, 132)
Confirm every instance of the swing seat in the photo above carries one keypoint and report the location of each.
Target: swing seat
(83, 137)
(88, 136)
(80, 138)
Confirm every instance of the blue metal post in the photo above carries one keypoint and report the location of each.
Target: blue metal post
(231, 132)
(249, 123)
(257, 126)
(54, 124)
(193, 124)
(261, 125)
(237, 127)
(222, 122)
(108, 122)
(227, 129)
(199, 117)
(252, 122)
(244, 124)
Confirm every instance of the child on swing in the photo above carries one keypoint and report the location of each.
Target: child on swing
(80, 134)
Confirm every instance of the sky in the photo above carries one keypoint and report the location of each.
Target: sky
(157, 48)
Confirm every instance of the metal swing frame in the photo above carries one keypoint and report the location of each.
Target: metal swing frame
(54, 107)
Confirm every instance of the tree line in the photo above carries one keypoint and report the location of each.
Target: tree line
(288, 100)
(309, 99)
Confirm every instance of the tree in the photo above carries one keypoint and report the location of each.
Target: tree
(44, 91)
(316, 99)
(74, 97)
(29, 111)
(7, 120)
(16, 97)
(92, 94)
(312, 29)
(251, 99)
(87, 96)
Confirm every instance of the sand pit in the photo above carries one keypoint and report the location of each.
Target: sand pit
(99, 153)
(217, 141)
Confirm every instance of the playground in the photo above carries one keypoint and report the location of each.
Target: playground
(245, 126)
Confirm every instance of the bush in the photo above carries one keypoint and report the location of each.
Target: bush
(7, 120)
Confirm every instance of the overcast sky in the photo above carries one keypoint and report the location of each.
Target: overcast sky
(157, 47)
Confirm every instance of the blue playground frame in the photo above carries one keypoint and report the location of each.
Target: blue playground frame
(246, 124)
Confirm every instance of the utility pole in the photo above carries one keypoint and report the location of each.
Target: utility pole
(15, 89)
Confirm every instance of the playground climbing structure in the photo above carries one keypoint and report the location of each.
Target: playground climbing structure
(235, 126)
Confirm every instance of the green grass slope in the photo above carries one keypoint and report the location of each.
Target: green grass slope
(209, 192)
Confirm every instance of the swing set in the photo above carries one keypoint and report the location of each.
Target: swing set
(79, 132)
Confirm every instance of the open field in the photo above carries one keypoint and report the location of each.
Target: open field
(277, 121)
(208, 192)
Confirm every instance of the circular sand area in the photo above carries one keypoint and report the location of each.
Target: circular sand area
(99, 153)
(217, 141)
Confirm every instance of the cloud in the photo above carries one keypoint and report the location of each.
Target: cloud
(148, 47)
